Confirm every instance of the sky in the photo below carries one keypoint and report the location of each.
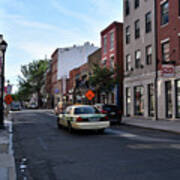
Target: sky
(33, 29)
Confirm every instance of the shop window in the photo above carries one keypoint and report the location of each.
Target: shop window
(165, 13)
(112, 98)
(149, 54)
(169, 105)
(139, 100)
(151, 100)
(165, 52)
(128, 101)
(148, 22)
(177, 98)
(137, 29)
(128, 35)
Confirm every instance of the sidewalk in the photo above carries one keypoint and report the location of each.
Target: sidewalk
(7, 163)
(162, 125)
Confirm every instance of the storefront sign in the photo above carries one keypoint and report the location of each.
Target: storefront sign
(168, 70)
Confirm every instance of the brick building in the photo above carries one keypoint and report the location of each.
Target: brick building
(168, 58)
(112, 56)
(54, 84)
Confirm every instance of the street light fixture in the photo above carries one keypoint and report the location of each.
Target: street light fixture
(3, 46)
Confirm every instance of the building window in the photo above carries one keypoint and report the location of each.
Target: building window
(127, 7)
(112, 40)
(165, 13)
(112, 98)
(139, 100)
(128, 35)
(165, 52)
(169, 105)
(104, 62)
(149, 54)
(179, 7)
(179, 47)
(136, 4)
(128, 62)
(151, 100)
(177, 98)
(138, 59)
(148, 22)
(137, 29)
(128, 101)
(112, 63)
(105, 44)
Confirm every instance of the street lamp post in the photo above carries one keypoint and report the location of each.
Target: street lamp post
(3, 46)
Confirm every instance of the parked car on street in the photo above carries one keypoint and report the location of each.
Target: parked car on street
(113, 112)
(15, 106)
(83, 117)
(33, 106)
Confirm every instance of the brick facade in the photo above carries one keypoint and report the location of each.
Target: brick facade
(112, 57)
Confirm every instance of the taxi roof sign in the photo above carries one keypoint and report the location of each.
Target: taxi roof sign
(90, 94)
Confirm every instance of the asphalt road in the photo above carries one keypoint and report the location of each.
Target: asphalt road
(43, 152)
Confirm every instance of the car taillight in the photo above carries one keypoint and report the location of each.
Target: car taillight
(104, 112)
(79, 119)
(119, 112)
(106, 118)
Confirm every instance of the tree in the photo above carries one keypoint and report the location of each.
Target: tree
(32, 79)
(102, 80)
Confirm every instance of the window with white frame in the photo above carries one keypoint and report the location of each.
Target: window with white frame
(165, 52)
(128, 62)
(112, 63)
(148, 22)
(128, 35)
(165, 13)
(138, 59)
(136, 3)
(137, 29)
(149, 55)
(105, 44)
(111, 40)
(127, 7)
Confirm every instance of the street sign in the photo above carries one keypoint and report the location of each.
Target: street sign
(90, 95)
(8, 99)
(168, 70)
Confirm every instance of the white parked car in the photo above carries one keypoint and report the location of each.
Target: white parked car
(83, 117)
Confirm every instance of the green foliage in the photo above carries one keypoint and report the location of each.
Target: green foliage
(102, 79)
(32, 78)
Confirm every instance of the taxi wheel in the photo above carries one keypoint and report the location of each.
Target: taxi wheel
(101, 131)
(59, 125)
(70, 127)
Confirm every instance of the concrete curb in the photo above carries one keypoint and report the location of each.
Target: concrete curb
(9, 156)
(152, 127)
